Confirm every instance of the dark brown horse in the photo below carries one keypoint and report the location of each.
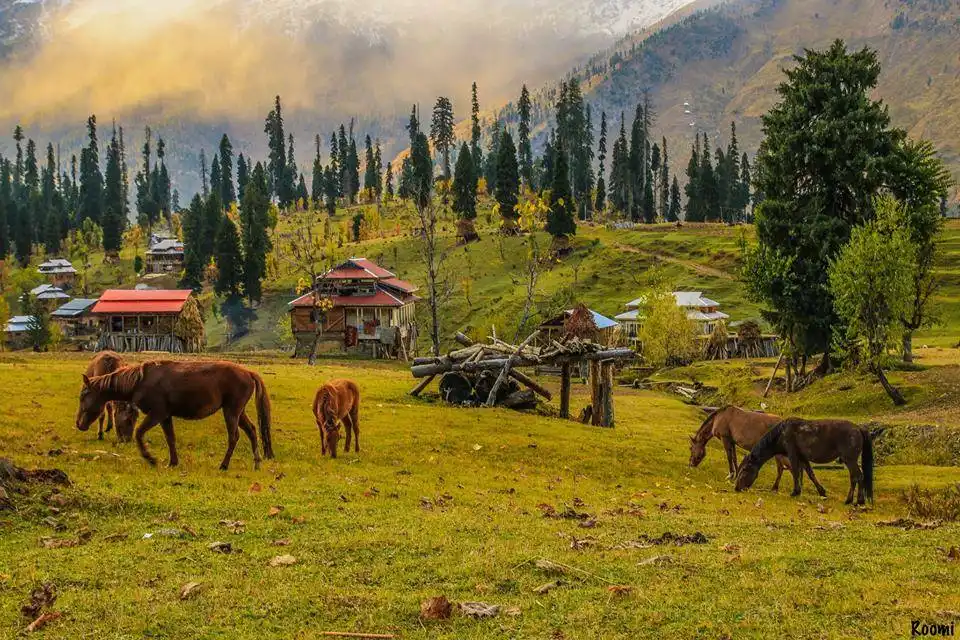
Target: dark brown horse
(820, 441)
(122, 414)
(337, 401)
(733, 426)
(190, 390)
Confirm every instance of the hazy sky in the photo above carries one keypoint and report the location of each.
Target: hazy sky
(227, 58)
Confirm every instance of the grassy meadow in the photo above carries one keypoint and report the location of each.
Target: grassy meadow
(448, 501)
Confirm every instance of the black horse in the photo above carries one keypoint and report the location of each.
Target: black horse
(819, 441)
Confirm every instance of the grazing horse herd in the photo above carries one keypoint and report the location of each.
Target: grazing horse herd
(164, 390)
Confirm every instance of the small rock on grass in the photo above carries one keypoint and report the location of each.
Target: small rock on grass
(190, 589)
(436, 608)
(220, 547)
(282, 561)
(479, 610)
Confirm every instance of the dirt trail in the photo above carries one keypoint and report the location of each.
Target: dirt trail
(689, 264)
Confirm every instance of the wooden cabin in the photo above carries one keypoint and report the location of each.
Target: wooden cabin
(141, 320)
(59, 273)
(165, 255)
(76, 317)
(16, 335)
(372, 312)
(607, 331)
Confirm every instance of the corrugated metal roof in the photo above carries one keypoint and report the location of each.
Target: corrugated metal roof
(380, 299)
(396, 283)
(167, 301)
(166, 246)
(602, 322)
(18, 324)
(49, 292)
(74, 308)
(57, 265)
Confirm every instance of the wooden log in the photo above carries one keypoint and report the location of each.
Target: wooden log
(595, 399)
(505, 373)
(523, 379)
(423, 361)
(774, 375)
(462, 339)
(565, 390)
(520, 400)
(417, 390)
(612, 354)
(422, 371)
(463, 354)
(607, 394)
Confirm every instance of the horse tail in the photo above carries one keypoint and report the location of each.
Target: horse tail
(263, 415)
(867, 464)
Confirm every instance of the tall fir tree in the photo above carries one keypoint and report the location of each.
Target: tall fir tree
(560, 218)
(524, 148)
(204, 184)
(492, 159)
(216, 179)
(332, 188)
(709, 190)
(164, 188)
(353, 167)
(228, 193)
(389, 181)
(465, 185)
(744, 199)
(229, 259)
(254, 223)
(664, 181)
(125, 176)
(732, 194)
(279, 178)
(193, 262)
(318, 187)
(243, 175)
(378, 171)
(475, 132)
(508, 182)
(91, 179)
(146, 205)
(601, 201)
(695, 212)
(370, 171)
(210, 224)
(673, 212)
(114, 206)
(6, 207)
(421, 168)
(441, 132)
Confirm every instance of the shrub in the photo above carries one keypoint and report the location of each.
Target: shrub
(933, 504)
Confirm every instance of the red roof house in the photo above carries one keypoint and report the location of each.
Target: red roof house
(372, 310)
(140, 319)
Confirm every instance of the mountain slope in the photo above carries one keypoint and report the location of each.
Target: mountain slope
(726, 62)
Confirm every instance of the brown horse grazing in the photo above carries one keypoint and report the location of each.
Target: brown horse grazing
(733, 426)
(191, 390)
(820, 441)
(122, 414)
(337, 401)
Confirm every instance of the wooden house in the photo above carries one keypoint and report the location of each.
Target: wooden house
(59, 273)
(703, 311)
(141, 320)
(165, 255)
(370, 311)
(607, 330)
(49, 296)
(16, 334)
(76, 318)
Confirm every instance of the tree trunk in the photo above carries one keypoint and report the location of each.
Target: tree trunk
(565, 390)
(908, 346)
(892, 391)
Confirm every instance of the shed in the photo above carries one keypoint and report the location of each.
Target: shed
(16, 333)
(76, 317)
(141, 320)
(165, 255)
(553, 329)
(60, 272)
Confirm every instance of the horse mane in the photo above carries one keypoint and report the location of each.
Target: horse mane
(764, 449)
(123, 380)
(704, 433)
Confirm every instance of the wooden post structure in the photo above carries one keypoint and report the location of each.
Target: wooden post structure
(773, 375)
(565, 390)
(606, 376)
(596, 401)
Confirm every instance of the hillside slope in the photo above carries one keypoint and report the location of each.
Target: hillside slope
(726, 62)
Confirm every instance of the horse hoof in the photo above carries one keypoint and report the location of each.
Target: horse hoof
(794, 494)
(99, 436)
(223, 467)
(823, 494)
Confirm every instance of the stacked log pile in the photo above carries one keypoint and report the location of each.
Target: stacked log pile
(488, 374)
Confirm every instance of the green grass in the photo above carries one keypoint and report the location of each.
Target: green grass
(368, 550)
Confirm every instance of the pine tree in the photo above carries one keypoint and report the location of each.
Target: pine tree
(709, 190)
(441, 132)
(648, 205)
(125, 175)
(664, 182)
(560, 218)
(193, 262)
(290, 176)
(732, 194)
(113, 220)
(722, 178)
(695, 211)
(242, 176)
(389, 181)
(210, 224)
(91, 179)
(493, 156)
(55, 221)
(673, 212)
(216, 179)
(6, 207)
(508, 182)
(227, 192)
(637, 163)
(318, 187)
(254, 222)
(279, 179)
(378, 171)
(475, 150)
(353, 168)
(421, 171)
(204, 185)
(743, 201)
(621, 182)
(332, 186)
(302, 194)
(146, 206)
(370, 171)
(413, 126)
(335, 162)
(229, 259)
(18, 138)
(601, 202)
(465, 185)
(524, 150)
(164, 192)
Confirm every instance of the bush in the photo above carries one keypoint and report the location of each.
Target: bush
(735, 386)
(933, 504)
(669, 339)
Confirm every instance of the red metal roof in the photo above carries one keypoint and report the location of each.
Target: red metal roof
(358, 269)
(379, 299)
(396, 283)
(146, 301)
